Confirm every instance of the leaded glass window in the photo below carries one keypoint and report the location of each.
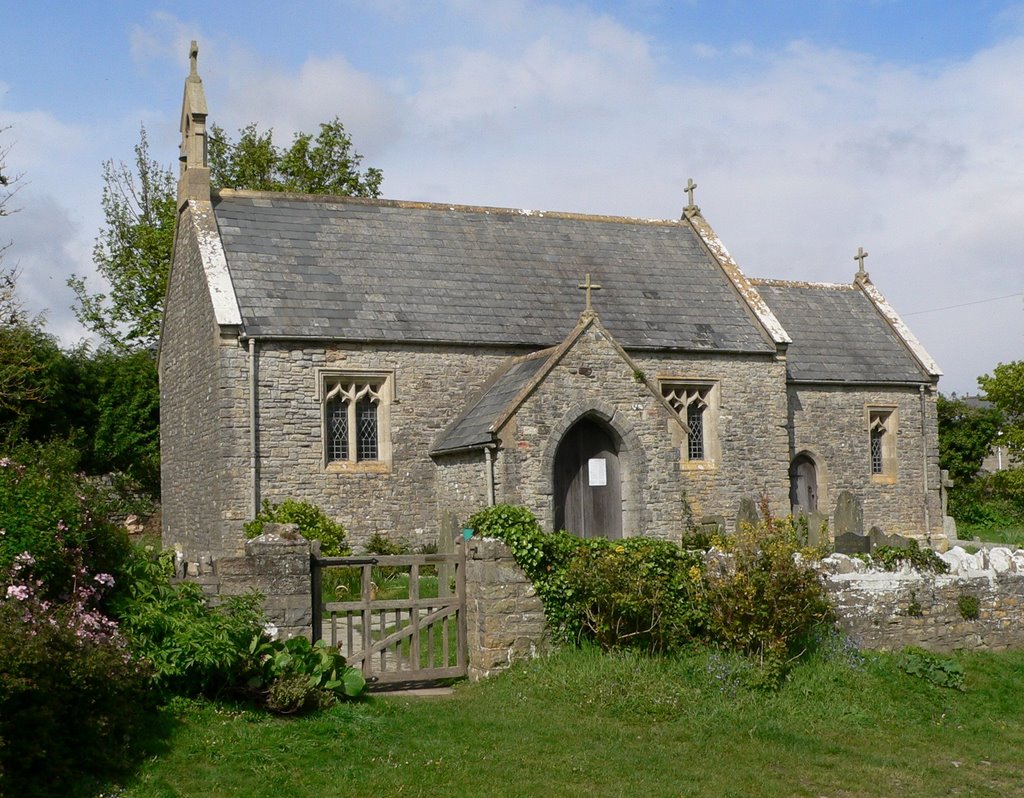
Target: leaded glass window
(352, 420)
(366, 417)
(692, 403)
(880, 441)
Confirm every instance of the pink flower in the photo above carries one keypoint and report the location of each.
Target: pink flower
(105, 579)
(20, 592)
(61, 526)
(25, 559)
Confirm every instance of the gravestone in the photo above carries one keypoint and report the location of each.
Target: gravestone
(852, 543)
(748, 513)
(817, 529)
(849, 521)
(849, 514)
(878, 538)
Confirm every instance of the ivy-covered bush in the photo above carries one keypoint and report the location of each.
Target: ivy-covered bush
(759, 599)
(312, 522)
(72, 696)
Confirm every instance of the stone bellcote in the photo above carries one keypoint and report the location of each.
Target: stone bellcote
(194, 177)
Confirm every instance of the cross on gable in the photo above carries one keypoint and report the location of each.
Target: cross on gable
(690, 186)
(588, 286)
(193, 55)
(859, 257)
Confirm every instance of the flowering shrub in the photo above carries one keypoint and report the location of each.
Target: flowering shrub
(72, 697)
(54, 514)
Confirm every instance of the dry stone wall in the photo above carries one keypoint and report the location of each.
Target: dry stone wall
(505, 620)
(890, 610)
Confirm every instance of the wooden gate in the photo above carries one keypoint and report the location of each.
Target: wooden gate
(400, 618)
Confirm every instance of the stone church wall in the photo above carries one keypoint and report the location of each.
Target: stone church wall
(658, 489)
(431, 386)
(202, 416)
(830, 423)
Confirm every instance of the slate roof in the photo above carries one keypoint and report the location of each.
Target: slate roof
(377, 270)
(473, 427)
(838, 335)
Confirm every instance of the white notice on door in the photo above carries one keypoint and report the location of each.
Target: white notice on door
(598, 472)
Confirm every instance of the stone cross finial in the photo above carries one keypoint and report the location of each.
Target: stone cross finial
(588, 287)
(859, 257)
(193, 55)
(690, 186)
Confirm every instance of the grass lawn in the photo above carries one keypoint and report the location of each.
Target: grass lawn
(1012, 536)
(584, 724)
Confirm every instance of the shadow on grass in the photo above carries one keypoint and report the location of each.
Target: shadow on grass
(150, 738)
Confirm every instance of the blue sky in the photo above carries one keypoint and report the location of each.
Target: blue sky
(811, 128)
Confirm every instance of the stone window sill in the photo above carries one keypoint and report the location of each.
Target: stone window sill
(367, 467)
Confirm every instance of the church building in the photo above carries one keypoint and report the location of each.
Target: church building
(405, 364)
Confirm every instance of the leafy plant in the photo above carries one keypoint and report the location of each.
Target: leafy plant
(940, 671)
(312, 522)
(298, 676)
(193, 648)
(924, 560)
(969, 607)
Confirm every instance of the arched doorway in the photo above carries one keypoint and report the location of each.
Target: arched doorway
(587, 482)
(803, 484)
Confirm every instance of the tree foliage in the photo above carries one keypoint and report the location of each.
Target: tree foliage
(132, 253)
(1004, 388)
(133, 250)
(966, 435)
(324, 164)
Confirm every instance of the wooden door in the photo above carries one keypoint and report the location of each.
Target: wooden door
(803, 484)
(587, 482)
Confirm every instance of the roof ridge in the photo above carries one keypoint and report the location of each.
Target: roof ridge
(769, 281)
(229, 193)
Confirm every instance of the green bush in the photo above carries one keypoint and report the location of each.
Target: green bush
(72, 698)
(969, 607)
(50, 511)
(766, 602)
(193, 648)
(312, 522)
(638, 592)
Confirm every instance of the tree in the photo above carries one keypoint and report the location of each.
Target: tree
(966, 435)
(133, 251)
(1004, 388)
(326, 164)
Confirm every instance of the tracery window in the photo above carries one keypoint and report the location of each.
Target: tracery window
(355, 411)
(693, 404)
(882, 441)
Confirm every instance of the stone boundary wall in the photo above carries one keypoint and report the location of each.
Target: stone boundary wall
(505, 620)
(888, 610)
(277, 565)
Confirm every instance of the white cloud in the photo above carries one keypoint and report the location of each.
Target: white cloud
(802, 154)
